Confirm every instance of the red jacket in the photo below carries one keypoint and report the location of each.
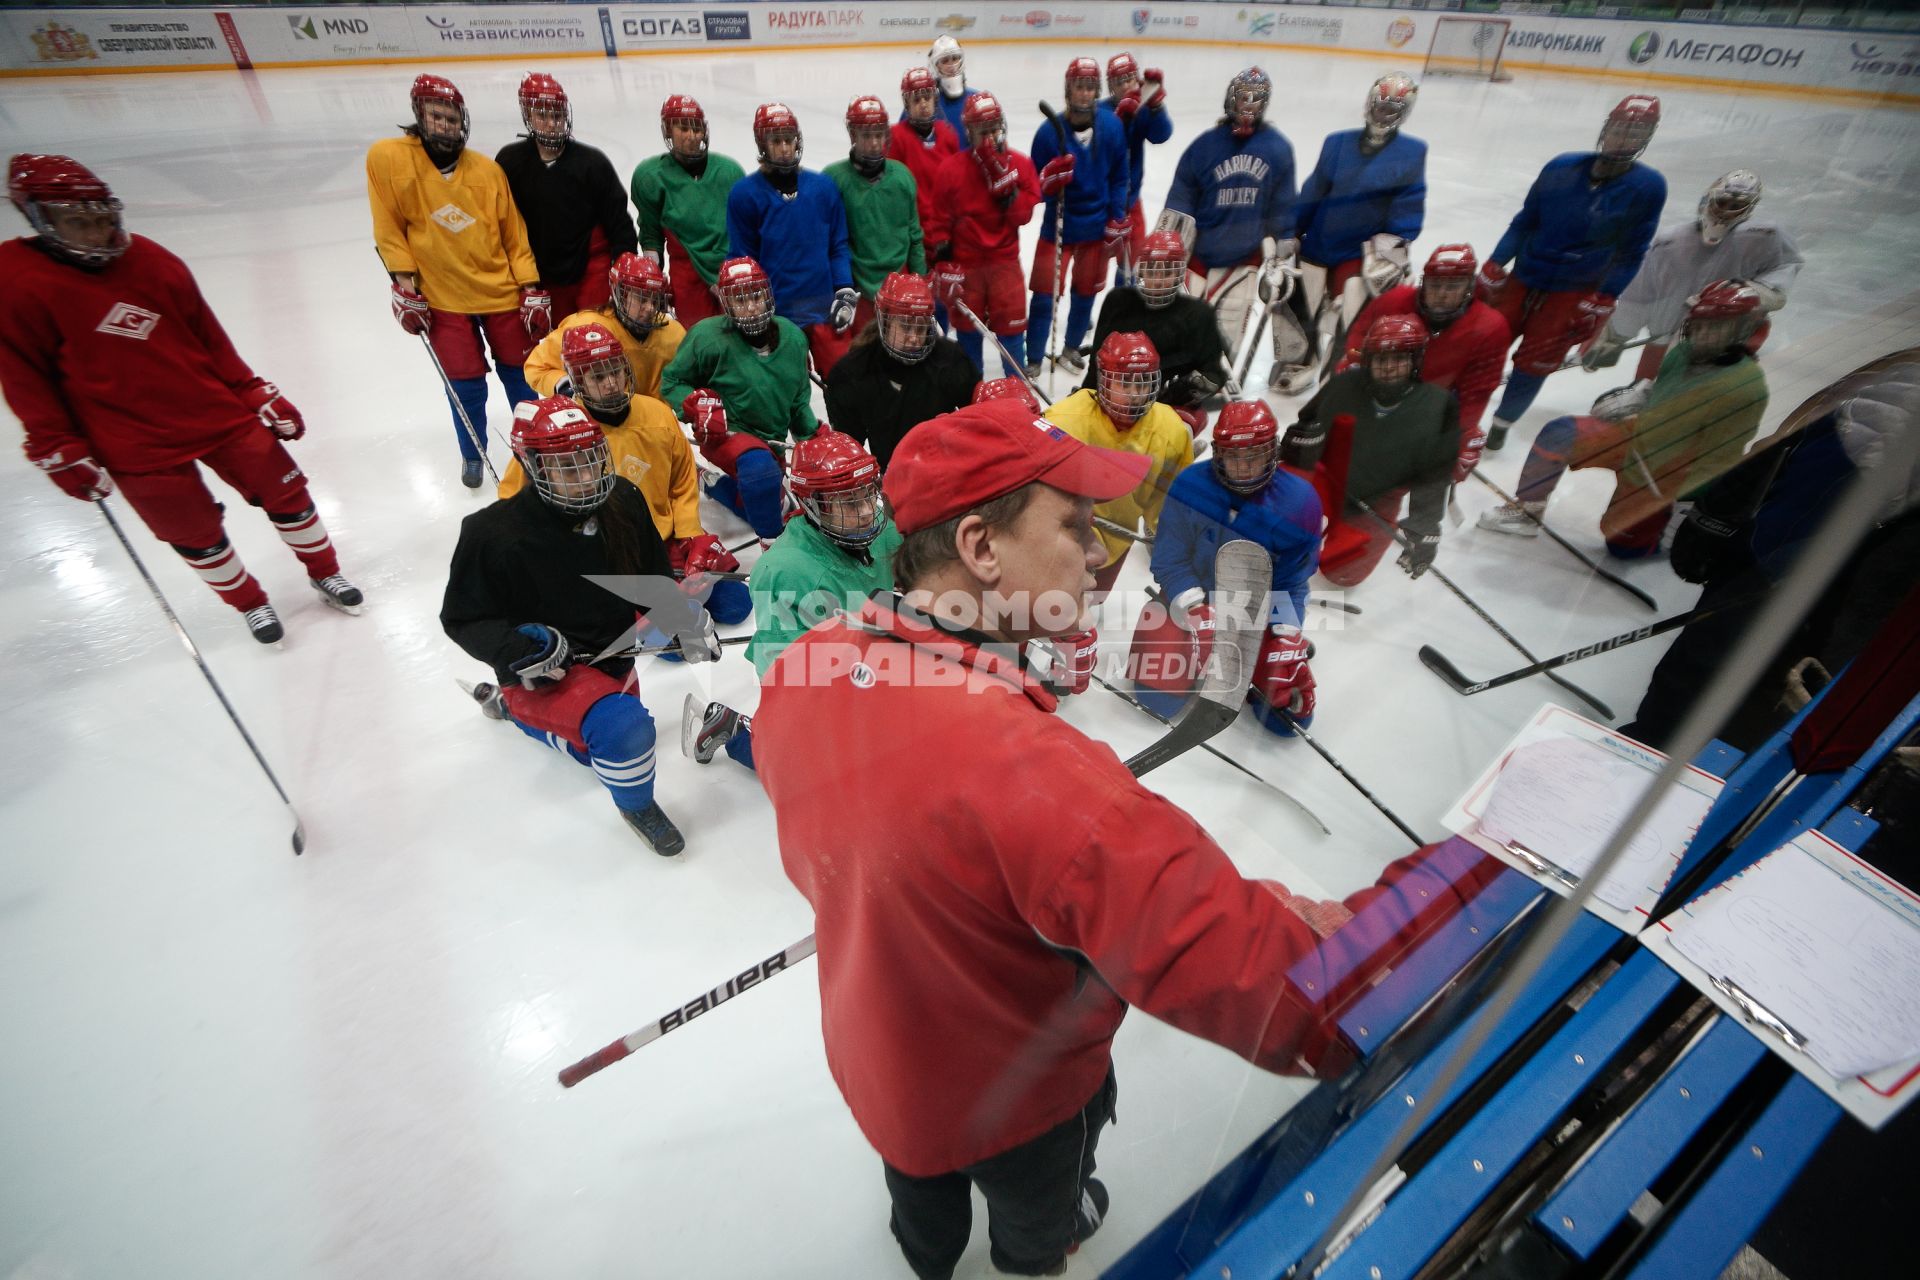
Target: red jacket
(922, 156)
(127, 364)
(982, 227)
(992, 889)
(1467, 357)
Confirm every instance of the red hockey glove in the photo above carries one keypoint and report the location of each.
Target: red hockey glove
(276, 414)
(708, 415)
(1490, 283)
(1470, 450)
(1081, 652)
(1118, 229)
(410, 309)
(1191, 612)
(1153, 86)
(1057, 176)
(998, 170)
(700, 555)
(949, 281)
(1127, 105)
(536, 311)
(78, 477)
(1590, 316)
(1281, 676)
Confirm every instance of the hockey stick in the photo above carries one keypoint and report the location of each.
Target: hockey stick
(1242, 571)
(193, 650)
(460, 410)
(1442, 666)
(1605, 711)
(1121, 531)
(1577, 553)
(1573, 361)
(1300, 731)
(1059, 249)
(1006, 358)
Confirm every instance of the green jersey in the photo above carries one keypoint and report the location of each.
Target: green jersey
(694, 210)
(805, 577)
(765, 389)
(883, 223)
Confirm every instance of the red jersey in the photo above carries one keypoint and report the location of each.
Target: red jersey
(126, 363)
(922, 156)
(1467, 357)
(981, 227)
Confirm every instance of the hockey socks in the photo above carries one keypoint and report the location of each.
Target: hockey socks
(304, 532)
(975, 346)
(1039, 323)
(514, 379)
(1079, 320)
(472, 393)
(758, 477)
(1547, 459)
(220, 568)
(619, 735)
(1521, 389)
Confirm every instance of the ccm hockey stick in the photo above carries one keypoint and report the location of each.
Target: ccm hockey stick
(1577, 553)
(1440, 665)
(1242, 572)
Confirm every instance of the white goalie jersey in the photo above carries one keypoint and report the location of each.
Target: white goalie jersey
(1680, 264)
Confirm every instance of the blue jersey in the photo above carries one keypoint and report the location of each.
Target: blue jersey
(1577, 234)
(951, 110)
(1201, 513)
(1237, 191)
(1098, 192)
(1351, 196)
(800, 242)
(1154, 126)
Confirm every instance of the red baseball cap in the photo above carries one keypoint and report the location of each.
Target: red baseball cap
(953, 463)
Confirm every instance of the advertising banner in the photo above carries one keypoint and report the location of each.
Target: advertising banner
(640, 28)
(329, 33)
(444, 30)
(113, 39)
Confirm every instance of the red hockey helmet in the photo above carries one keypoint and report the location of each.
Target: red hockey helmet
(72, 211)
(639, 290)
(1722, 316)
(1247, 96)
(564, 453)
(775, 120)
(1082, 71)
(982, 115)
(836, 482)
(1446, 285)
(598, 367)
(867, 110)
(1005, 389)
(1129, 378)
(870, 130)
(1389, 103)
(1390, 352)
(1122, 74)
(1246, 446)
(746, 294)
(904, 311)
(544, 110)
(918, 93)
(1162, 268)
(1629, 128)
(683, 126)
(431, 90)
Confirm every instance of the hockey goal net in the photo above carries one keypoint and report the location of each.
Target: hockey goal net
(1468, 47)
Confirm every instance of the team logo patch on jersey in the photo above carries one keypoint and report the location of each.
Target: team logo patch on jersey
(129, 321)
(862, 675)
(453, 217)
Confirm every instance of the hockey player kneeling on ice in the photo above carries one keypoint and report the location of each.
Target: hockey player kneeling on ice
(1379, 435)
(984, 925)
(636, 313)
(649, 449)
(519, 598)
(1121, 413)
(1182, 328)
(1468, 343)
(1238, 493)
(899, 371)
(833, 555)
(740, 380)
(121, 375)
(1695, 424)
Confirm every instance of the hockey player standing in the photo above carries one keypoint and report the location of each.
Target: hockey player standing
(983, 197)
(681, 198)
(899, 372)
(1359, 209)
(1574, 245)
(1139, 101)
(1238, 493)
(636, 312)
(922, 141)
(741, 380)
(791, 221)
(1401, 438)
(949, 67)
(569, 196)
(121, 375)
(1121, 413)
(456, 250)
(882, 204)
(1232, 202)
(1094, 161)
(1468, 343)
(1721, 242)
(1182, 328)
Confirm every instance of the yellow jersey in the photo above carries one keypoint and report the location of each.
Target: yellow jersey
(461, 235)
(650, 450)
(544, 370)
(1160, 435)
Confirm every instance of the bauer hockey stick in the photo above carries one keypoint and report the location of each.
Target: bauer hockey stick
(1577, 553)
(1242, 572)
(1005, 357)
(1146, 539)
(460, 410)
(193, 650)
(1055, 339)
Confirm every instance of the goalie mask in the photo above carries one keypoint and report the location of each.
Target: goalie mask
(1389, 103)
(1728, 202)
(948, 65)
(1247, 97)
(564, 453)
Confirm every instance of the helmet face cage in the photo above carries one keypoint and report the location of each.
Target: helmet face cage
(907, 336)
(1727, 203)
(749, 304)
(919, 103)
(1160, 279)
(851, 517)
(1444, 297)
(45, 217)
(1123, 73)
(994, 130)
(1389, 103)
(685, 135)
(641, 308)
(1126, 394)
(604, 383)
(1083, 84)
(431, 136)
(1391, 372)
(870, 141)
(764, 138)
(576, 480)
(1628, 130)
(546, 116)
(1246, 468)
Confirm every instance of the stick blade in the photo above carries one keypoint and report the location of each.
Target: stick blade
(1242, 580)
(1442, 666)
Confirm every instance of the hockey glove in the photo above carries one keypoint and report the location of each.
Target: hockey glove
(845, 303)
(1490, 283)
(1703, 545)
(1118, 229)
(1384, 263)
(1057, 176)
(1153, 89)
(1002, 177)
(949, 282)
(1127, 105)
(1603, 352)
(698, 556)
(1590, 316)
(1191, 612)
(79, 477)
(708, 417)
(1421, 549)
(273, 410)
(1469, 458)
(547, 663)
(1282, 677)
(1278, 260)
(1081, 651)
(410, 309)
(536, 311)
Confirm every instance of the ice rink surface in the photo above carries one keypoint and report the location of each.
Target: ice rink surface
(221, 1060)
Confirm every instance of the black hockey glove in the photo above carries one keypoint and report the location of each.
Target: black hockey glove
(1705, 545)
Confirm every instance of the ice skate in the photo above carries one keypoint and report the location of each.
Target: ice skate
(492, 705)
(705, 730)
(1290, 379)
(470, 473)
(1497, 436)
(338, 592)
(1074, 361)
(656, 828)
(264, 623)
(1521, 519)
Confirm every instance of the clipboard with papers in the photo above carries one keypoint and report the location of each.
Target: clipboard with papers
(1552, 797)
(1818, 954)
